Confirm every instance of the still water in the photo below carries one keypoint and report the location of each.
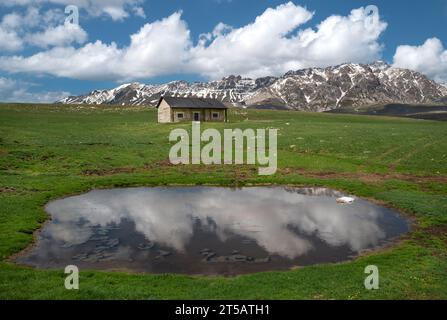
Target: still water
(209, 230)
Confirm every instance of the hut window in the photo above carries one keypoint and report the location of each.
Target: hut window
(215, 115)
(180, 115)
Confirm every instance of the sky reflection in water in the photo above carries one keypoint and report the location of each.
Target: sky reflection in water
(209, 230)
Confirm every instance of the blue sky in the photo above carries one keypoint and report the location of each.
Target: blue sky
(40, 60)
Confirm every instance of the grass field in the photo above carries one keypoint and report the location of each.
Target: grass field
(424, 111)
(47, 152)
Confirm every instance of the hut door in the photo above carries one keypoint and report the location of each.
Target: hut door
(196, 116)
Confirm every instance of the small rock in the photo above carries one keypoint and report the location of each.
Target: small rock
(162, 254)
(210, 255)
(100, 249)
(67, 245)
(102, 232)
(238, 258)
(105, 257)
(112, 243)
(98, 238)
(262, 260)
(80, 256)
(146, 246)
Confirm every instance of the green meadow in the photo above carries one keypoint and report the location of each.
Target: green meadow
(51, 151)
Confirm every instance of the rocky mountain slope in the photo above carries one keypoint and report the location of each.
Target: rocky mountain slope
(313, 89)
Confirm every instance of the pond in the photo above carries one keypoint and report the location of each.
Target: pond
(209, 230)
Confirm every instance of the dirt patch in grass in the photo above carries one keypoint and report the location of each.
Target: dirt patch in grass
(111, 171)
(107, 172)
(365, 177)
(7, 190)
(438, 231)
(433, 238)
(238, 172)
(159, 164)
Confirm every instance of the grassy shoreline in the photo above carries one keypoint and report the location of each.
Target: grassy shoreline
(47, 152)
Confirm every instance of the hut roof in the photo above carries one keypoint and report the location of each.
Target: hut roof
(192, 103)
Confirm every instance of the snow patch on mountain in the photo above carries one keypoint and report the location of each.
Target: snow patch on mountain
(311, 89)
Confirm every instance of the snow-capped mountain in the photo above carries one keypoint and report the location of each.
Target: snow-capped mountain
(313, 89)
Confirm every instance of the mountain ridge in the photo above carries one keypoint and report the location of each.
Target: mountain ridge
(310, 89)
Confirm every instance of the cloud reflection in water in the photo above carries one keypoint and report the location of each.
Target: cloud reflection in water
(282, 222)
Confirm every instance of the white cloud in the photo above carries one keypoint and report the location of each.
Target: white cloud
(29, 19)
(430, 59)
(9, 40)
(157, 48)
(258, 48)
(6, 85)
(271, 45)
(38, 29)
(61, 35)
(115, 9)
(14, 90)
(139, 11)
